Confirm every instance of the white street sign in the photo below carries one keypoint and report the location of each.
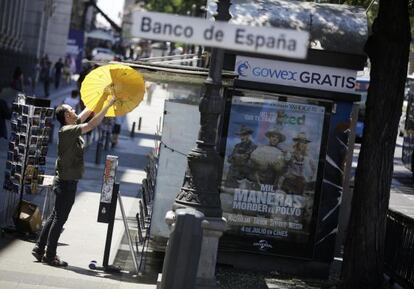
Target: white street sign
(191, 30)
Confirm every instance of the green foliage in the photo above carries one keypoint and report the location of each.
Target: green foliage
(182, 7)
(366, 3)
(362, 3)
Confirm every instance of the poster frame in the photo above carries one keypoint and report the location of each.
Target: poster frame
(269, 246)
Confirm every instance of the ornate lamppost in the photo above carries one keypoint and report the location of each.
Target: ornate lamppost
(200, 190)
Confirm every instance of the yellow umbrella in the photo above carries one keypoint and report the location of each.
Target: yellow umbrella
(113, 79)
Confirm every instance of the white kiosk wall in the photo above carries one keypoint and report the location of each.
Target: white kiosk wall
(179, 135)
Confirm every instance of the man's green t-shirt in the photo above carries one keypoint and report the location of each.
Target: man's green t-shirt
(69, 163)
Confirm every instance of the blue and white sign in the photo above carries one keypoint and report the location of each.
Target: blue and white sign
(295, 74)
(267, 40)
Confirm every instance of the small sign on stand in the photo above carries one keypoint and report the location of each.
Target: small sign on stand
(107, 192)
(107, 209)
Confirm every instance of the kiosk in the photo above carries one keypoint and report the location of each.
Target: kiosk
(287, 139)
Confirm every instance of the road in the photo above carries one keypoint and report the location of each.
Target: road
(402, 191)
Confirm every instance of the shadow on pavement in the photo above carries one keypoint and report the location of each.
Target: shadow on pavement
(122, 276)
(9, 235)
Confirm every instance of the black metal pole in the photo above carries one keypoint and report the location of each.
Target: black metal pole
(201, 180)
(98, 155)
(139, 123)
(110, 226)
(132, 134)
(107, 140)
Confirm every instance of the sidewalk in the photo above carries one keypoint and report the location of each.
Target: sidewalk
(83, 239)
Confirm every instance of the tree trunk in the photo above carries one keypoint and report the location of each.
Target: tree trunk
(411, 61)
(388, 49)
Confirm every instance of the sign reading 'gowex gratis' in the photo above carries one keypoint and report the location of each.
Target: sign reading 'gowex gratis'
(296, 74)
(191, 30)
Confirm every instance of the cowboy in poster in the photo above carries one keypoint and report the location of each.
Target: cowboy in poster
(268, 162)
(301, 169)
(239, 157)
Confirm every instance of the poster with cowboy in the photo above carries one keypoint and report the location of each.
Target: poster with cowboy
(270, 167)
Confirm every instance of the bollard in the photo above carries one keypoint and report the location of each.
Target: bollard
(107, 140)
(146, 191)
(144, 202)
(98, 155)
(141, 215)
(183, 251)
(139, 123)
(140, 236)
(132, 134)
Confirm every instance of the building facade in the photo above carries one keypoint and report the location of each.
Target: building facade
(30, 29)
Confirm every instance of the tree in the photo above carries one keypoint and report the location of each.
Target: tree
(175, 6)
(388, 49)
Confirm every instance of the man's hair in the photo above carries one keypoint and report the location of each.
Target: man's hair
(60, 114)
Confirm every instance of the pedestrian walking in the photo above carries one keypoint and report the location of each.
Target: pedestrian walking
(45, 75)
(36, 75)
(58, 72)
(5, 114)
(73, 100)
(69, 169)
(17, 79)
(116, 129)
(67, 75)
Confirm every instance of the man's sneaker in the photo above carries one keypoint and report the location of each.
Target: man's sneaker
(54, 261)
(38, 253)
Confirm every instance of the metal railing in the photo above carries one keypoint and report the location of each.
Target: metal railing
(399, 248)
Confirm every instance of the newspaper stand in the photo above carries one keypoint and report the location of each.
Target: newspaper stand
(281, 214)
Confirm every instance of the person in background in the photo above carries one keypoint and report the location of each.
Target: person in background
(35, 75)
(73, 100)
(58, 72)
(68, 170)
(116, 129)
(67, 75)
(17, 80)
(45, 75)
(5, 114)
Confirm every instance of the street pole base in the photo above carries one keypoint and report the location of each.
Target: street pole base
(107, 269)
(207, 284)
(112, 269)
(213, 228)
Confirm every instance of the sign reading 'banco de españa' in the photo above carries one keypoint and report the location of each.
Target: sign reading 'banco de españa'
(191, 30)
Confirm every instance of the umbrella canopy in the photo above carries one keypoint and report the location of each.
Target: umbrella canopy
(113, 79)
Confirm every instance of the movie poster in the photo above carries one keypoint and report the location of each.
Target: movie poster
(270, 167)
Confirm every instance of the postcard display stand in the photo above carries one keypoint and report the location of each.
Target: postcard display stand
(31, 126)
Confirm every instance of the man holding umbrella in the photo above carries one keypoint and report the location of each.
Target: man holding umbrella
(98, 91)
(69, 169)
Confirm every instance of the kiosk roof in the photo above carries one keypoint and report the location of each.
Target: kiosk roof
(332, 27)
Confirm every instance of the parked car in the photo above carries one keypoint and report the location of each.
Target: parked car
(401, 125)
(103, 54)
(361, 87)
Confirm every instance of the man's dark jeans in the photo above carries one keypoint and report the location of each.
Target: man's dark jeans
(65, 192)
